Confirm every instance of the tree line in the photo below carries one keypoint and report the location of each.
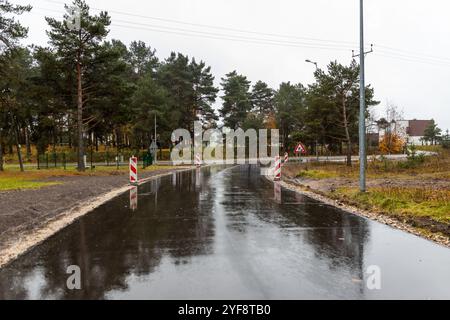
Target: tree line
(83, 89)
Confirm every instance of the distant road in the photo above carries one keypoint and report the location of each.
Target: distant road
(292, 159)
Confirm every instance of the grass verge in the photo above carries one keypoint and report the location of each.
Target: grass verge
(14, 179)
(402, 201)
(8, 183)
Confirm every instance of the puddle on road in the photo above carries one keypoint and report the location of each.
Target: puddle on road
(226, 233)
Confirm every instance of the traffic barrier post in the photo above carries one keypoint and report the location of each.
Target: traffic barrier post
(286, 158)
(198, 160)
(133, 170)
(277, 173)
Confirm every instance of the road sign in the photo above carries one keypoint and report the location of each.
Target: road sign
(153, 147)
(300, 148)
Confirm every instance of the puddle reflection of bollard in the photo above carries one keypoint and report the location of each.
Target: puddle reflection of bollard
(277, 192)
(198, 177)
(198, 160)
(277, 170)
(174, 179)
(134, 198)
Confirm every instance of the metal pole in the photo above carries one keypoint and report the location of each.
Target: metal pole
(362, 107)
(156, 151)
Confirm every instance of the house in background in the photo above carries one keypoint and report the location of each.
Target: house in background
(411, 131)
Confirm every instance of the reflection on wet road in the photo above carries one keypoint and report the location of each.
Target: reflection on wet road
(226, 233)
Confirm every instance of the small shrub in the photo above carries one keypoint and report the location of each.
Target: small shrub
(445, 144)
(413, 161)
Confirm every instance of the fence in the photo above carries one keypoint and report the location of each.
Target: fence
(91, 159)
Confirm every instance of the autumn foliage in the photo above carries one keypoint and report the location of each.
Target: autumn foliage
(391, 143)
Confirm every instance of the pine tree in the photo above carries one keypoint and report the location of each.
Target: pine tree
(262, 99)
(77, 46)
(237, 100)
(432, 133)
(142, 59)
(190, 86)
(339, 88)
(290, 107)
(11, 31)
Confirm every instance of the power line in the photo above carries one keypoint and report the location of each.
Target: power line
(218, 36)
(348, 43)
(387, 55)
(413, 54)
(329, 42)
(226, 36)
(264, 41)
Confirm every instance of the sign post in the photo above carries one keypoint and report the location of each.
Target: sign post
(154, 150)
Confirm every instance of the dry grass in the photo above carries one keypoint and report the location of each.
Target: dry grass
(416, 188)
(409, 201)
(432, 167)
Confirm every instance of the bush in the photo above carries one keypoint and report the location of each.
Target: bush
(413, 161)
(391, 143)
(446, 144)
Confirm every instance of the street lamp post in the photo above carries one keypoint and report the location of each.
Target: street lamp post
(362, 107)
(317, 68)
(314, 63)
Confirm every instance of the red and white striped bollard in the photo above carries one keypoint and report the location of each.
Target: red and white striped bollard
(277, 172)
(286, 158)
(133, 170)
(198, 160)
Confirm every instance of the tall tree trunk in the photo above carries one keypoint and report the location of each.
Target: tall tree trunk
(27, 143)
(349, 154)
(19, 154)
(347, 133)
(81, 166)
(1, 151)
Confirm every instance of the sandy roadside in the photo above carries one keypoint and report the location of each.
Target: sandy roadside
(29, 217)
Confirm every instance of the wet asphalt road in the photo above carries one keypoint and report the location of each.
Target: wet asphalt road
(227, 233)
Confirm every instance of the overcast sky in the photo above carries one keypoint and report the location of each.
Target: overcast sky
(409, 68)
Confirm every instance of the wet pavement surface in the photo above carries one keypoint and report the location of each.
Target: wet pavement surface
(227, 233)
